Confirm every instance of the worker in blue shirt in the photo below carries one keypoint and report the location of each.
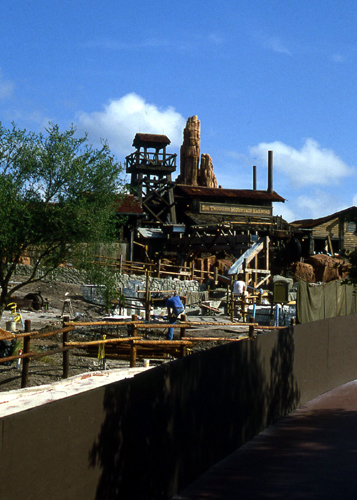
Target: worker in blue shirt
(174, 309)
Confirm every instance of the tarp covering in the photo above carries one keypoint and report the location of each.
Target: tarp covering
(325, 300)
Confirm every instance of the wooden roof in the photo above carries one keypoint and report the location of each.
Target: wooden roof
(244, 194)
(150, 140)
(310, 223)
(128, 205)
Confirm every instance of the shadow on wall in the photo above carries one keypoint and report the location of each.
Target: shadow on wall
(164, 427)
(284, 394)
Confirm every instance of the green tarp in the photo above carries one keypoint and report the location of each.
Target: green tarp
(326, 300)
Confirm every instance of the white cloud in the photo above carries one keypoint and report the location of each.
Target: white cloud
(284, 211)
(115, 45)
(338, 58)
(276, 45)
(318, 204)
(6, 87)
(354, 200)
(311, 165)
(122, 118)
(182, 43)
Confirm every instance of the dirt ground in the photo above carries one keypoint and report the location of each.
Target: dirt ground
(49, 369)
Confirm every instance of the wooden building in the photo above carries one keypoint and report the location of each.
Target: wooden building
(151, 167)
(186, 222)
(334, 234)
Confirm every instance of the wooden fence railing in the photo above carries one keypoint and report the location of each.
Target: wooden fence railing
(133, 344)
(160, 269)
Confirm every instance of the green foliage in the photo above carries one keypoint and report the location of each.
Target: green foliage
(104, 276)
(56, 193)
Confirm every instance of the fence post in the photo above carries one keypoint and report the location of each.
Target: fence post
(183, 329)
(183, 350)
(133, 350)
(65, 356)
(27, 325)
(25, 363)
(134, 329)
(251, 328)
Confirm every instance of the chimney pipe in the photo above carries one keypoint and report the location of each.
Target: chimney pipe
(270, 171)
(254, 178)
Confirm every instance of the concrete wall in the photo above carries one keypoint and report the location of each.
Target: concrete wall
(149, 436)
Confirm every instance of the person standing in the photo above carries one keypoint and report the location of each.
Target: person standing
(239, 287)
(174, 309)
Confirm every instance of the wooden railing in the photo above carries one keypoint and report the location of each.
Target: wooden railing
(159, 269)
(153, 159)
(133, 346)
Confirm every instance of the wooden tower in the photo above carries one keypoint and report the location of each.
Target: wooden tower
(151, 168)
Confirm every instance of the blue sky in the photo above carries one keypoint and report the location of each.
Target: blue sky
(260, 75)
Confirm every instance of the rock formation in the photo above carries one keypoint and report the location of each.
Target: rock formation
(206, 176)
(190, 152)
(191, 173)
(303, 271)
(321, 268)
(328, 268)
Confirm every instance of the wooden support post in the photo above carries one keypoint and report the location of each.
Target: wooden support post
(251, 329)
(244, 308)
(255, 275)
(232, 301)
(120, 264)
(25, 363)
(267, 250)
(183, 329)
(27, 325)
(65, 356)
(215, 271)
(134, 328)
(183, 351)
(158, 268)
(147, 296)
(133, 350)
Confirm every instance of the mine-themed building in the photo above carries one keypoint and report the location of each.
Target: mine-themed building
(191, 218)
(334, 234)
(193, 221)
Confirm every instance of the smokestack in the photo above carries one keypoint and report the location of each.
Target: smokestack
(270, 171)
(254, 178)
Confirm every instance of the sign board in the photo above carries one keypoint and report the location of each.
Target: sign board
(223, 209)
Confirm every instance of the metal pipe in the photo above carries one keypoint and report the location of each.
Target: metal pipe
(254, 178)
(270, 171)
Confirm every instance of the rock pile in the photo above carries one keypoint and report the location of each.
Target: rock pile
(321, 268)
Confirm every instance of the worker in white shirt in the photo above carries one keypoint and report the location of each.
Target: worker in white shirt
(239, 287)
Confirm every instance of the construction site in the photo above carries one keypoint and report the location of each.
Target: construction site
(194, 238)
(189, 237)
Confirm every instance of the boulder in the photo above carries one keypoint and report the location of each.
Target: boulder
(303, 271)
(326, 268)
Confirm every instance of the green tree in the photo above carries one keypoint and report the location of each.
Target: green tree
(57, 193)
